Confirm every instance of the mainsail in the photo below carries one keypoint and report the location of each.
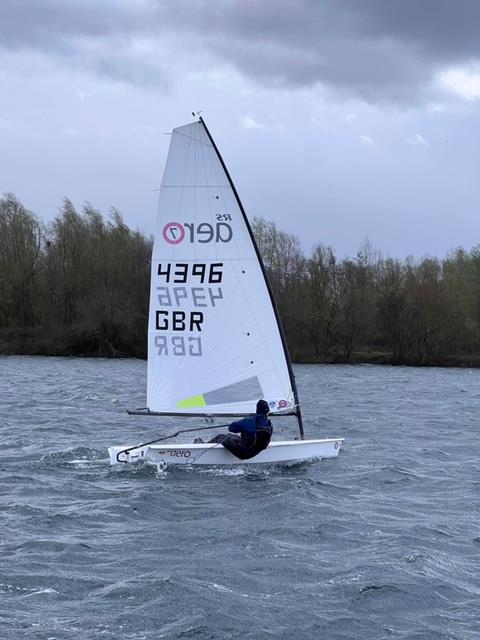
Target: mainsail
(214, 341)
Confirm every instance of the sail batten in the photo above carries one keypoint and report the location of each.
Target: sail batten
(215, 340)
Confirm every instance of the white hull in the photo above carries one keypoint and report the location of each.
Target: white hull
(215, 454)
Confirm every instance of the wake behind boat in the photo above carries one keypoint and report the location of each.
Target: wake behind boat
(215, 340)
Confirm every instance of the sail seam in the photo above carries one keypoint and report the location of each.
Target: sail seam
(185, 135)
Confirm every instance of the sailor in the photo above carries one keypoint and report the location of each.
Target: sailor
(255, 433)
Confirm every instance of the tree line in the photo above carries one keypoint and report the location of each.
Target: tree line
(80, 286)
(77, 286)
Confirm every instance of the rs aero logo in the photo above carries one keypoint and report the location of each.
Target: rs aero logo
(201, 232)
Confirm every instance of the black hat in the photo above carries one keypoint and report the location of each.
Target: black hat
(262, 407)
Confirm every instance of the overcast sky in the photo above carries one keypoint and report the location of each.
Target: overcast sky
(338, 119)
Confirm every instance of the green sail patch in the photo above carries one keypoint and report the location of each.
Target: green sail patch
(192, 402)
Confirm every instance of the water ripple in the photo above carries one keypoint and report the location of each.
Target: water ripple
(381, 542)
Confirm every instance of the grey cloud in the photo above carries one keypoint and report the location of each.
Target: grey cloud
(373, 48)
(376, 49)
(85, 33)
(46, 25)
(123, 69)
(369, 70)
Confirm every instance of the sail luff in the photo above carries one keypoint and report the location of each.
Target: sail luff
(297, 412)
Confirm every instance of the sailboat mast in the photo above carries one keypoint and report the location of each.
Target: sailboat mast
(293, 383)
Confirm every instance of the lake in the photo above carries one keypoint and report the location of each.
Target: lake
(382, 542)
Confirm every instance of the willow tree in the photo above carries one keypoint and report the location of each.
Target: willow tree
(21, 236)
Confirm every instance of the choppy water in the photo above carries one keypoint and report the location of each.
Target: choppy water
(382, 542)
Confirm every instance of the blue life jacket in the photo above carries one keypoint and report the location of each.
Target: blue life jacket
(255, 431)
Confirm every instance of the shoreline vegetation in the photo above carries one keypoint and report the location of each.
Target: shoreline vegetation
(79, 286)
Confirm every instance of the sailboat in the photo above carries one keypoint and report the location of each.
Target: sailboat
(215, 341)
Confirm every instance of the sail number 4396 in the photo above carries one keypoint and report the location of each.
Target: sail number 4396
(183, 272)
